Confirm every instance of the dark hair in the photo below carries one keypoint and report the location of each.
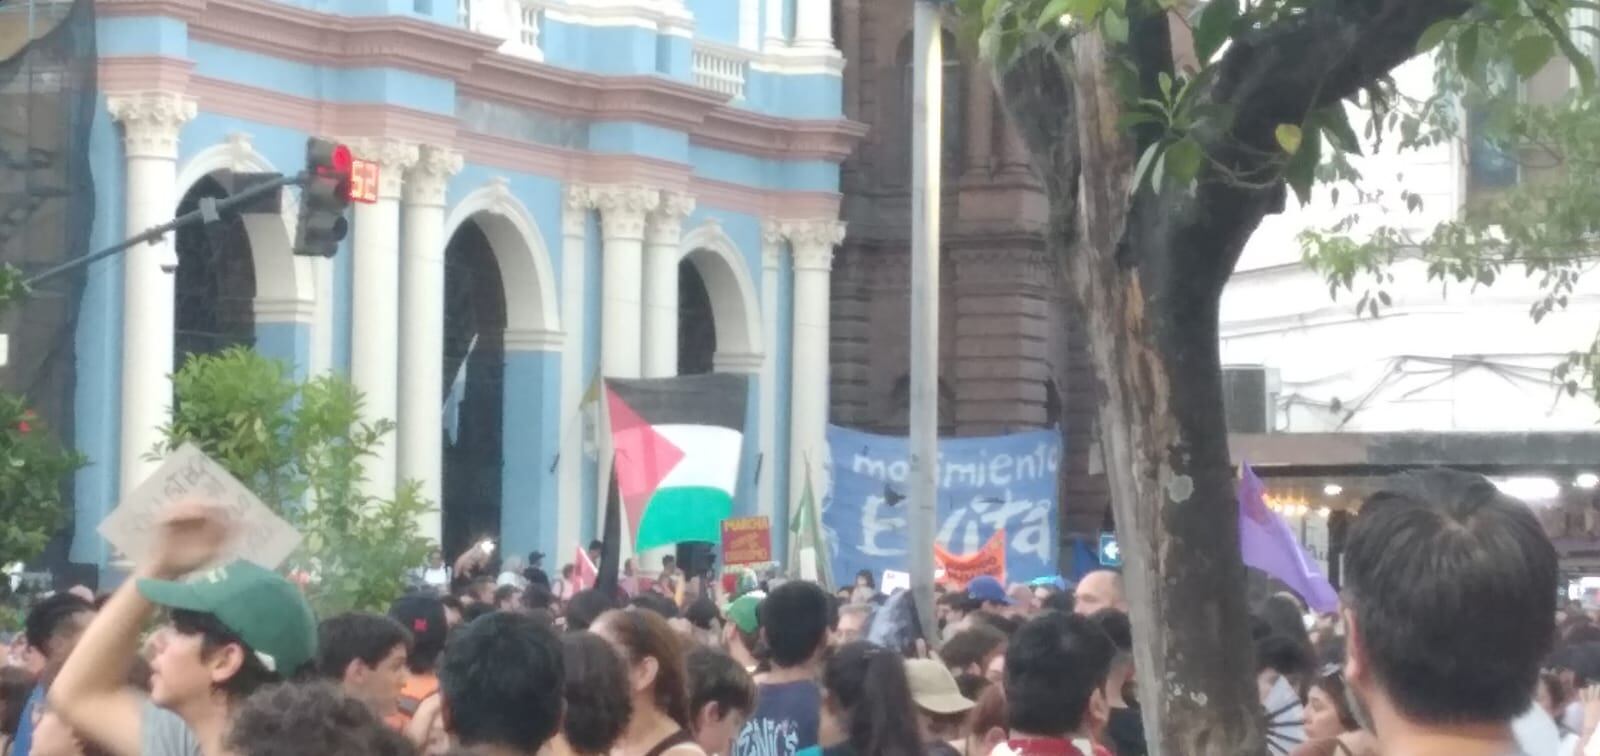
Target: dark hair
(989, 711)
(598, 704)
(423, 616)
(1054, 665)
(646, 634)
(1583, 632)
(702, 613)
(1332, 683)
(714, 677)
(357, 635)
(1006, 625)
(872, 582)
(505, 592)
(502, 678)
(596, 546)
(655, 602)
(972, 646)
(1059, 601)
(585, 607)
(472, 612)
(252, 674)
(537, 596)
(1287, 657)
(794, 619)
(867, 683)
(15, 687)
(567, 570)
(310, 718)
(971, 685)
(1423, 555)
(1114, 622)
(54, 618)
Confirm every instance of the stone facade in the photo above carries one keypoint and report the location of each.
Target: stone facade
(1009, 356)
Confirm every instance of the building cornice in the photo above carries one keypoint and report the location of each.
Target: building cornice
(743, 131)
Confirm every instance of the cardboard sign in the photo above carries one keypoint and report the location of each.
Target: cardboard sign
(260, 535)
(746, 540)
(894, 580)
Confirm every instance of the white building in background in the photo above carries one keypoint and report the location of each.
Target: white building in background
(1442, 358)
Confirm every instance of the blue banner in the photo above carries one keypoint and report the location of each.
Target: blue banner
(984, 484)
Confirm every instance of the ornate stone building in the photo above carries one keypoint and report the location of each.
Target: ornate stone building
(1008, 355)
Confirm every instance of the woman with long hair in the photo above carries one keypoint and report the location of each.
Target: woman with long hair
(867, 707)
(658, 682)
(597, 697)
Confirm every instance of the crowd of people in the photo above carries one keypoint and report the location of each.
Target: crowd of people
(1449, 641)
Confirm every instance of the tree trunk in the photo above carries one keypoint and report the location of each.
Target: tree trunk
(1146, 271)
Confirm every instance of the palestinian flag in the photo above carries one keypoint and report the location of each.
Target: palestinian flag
(677, 445)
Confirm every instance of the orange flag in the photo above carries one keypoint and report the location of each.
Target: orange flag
(989, 560)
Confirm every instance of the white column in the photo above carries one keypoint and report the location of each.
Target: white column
(774, 26)
(574, 383)
(150, 123)
(374, 303)
(813, 24)
(750, 24)
(419, 423)
(662, 253)
(812, 243)
(623, 210)
(771, 257)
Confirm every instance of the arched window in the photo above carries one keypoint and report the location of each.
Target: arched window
(474, 350)
(697, 327)
(952, 110)
(214, 289)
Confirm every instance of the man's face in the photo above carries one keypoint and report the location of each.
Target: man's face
(379, 687)
(179, 674)
(1097, 591)
(852, 627)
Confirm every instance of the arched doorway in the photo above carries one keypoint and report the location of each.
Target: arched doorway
(215, 285)
(474, 375)
(697, 325)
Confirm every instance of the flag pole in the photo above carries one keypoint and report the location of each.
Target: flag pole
(926, 108)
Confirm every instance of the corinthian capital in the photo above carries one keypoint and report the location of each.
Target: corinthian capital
(771, 243)
(666, 221)
(393, 156)
(624, 209)
(577, 200)
(430, 175)
(151, 121)
(813, 242)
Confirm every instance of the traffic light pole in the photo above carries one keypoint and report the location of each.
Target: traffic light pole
(209, 210)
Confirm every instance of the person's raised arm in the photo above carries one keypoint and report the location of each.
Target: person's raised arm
(90, 693)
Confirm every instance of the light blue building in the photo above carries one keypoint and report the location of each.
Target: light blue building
(566, 189)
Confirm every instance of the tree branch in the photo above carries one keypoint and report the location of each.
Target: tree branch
(1038, 92)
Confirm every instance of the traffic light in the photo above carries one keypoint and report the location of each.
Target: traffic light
(324, 197)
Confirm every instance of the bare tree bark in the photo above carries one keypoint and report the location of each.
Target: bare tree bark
(1146, 271)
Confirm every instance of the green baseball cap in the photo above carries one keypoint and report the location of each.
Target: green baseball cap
(266, 611)
(743, 611)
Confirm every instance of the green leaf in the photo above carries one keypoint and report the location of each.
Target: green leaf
(1214, 26)
(1289, 137)
(1115, 27)
(1530, 54)
(1164, 80)
(1135, 118)
(1145, 162)
(1158, 173)
(1433, 35)
(1467, 52)
(1335, 122)
(1183, 160)
(1085, 10)
(1053, 12)
(1301, 173)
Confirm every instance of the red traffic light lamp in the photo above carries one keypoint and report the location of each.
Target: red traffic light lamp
(324, 197)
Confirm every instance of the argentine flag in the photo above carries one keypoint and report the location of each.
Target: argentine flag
(458, 391)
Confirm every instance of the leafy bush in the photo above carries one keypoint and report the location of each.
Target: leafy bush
(33, 468)
(301, 447)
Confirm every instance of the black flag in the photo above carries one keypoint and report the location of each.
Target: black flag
(47, 104)
(610, 540)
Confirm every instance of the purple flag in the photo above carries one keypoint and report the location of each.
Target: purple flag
(1267, 544)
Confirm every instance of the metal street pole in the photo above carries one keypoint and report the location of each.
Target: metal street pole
(926, 107)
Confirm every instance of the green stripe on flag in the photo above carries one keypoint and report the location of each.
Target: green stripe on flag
(683, 514)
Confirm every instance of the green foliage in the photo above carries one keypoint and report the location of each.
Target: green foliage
(301, 447)
(33, 469)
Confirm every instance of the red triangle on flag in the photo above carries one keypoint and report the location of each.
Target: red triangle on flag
(643, 458)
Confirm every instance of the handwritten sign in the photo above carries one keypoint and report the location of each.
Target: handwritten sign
(746, 540)
(363, 181)
(260, 535)
(985, 485)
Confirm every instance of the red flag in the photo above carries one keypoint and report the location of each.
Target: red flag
(990, 560)
(585, 572)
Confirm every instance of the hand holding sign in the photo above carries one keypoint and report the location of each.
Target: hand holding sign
(190, 534)
(162, 507)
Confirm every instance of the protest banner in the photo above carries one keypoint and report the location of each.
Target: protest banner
(746, 540)
(960, 569)
(986, 485)
(259, 534)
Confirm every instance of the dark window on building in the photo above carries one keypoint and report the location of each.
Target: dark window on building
(474, 335)
(697, 328)
(215, 285)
